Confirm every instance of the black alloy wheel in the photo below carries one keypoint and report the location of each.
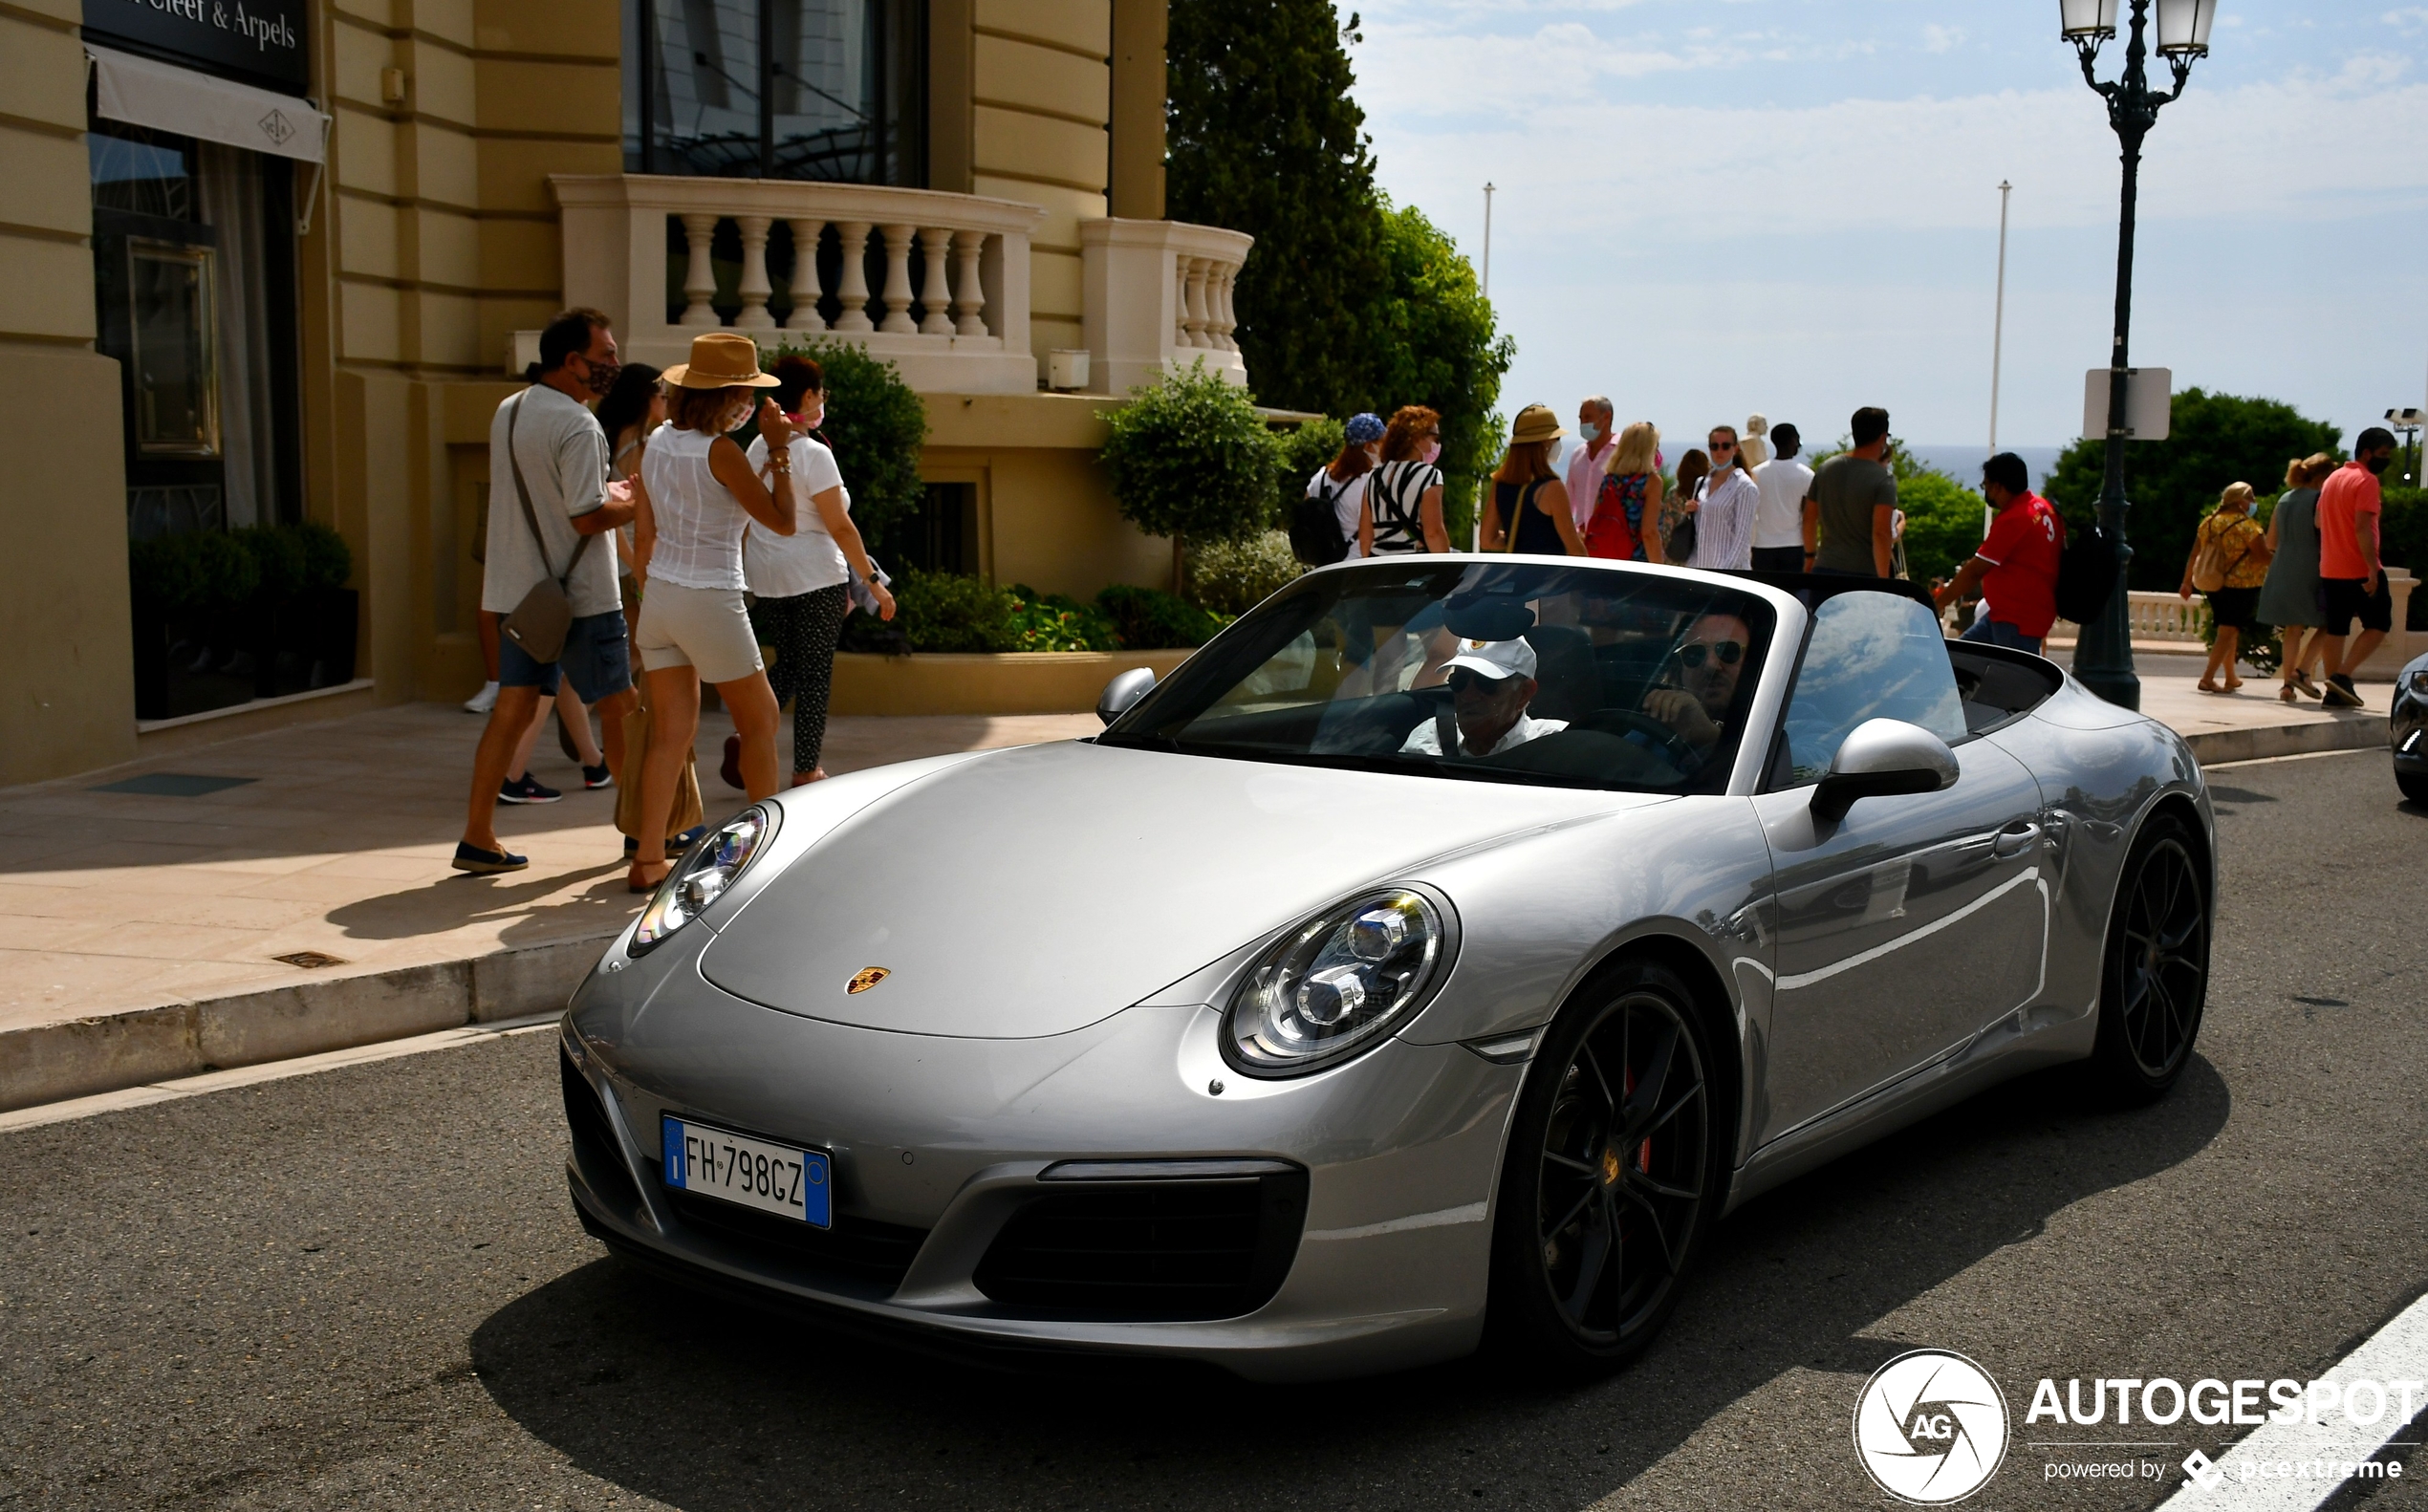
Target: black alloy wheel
(2155, 984)
(1612, 1175)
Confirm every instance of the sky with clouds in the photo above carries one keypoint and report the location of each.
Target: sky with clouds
(1709, 207)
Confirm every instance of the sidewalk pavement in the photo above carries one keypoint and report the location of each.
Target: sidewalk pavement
(145, 928)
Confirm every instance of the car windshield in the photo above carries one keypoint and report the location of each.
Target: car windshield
(1592, 677)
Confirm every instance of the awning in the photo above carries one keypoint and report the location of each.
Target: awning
(166, 98)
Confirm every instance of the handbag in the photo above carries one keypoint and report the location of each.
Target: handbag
(1680, 548)
(541, 622)
(687, 811)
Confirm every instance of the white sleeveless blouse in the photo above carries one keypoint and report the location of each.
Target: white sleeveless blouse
(700, 522)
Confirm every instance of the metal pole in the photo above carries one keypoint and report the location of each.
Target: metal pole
(1997, 339)
(1488, 242)
(2103, 654)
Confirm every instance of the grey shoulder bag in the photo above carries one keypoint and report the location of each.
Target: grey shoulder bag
(541, 622)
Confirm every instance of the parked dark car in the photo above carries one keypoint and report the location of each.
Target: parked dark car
(2407, 729)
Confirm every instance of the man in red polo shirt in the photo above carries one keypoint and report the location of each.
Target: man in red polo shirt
(2351, 580)
(2016, 569)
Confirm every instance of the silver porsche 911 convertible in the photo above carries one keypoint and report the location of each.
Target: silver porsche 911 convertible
(1432, 959)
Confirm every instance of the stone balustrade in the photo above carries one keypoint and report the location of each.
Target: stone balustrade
(1158, 298)
(936, 283)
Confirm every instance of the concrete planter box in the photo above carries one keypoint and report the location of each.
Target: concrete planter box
(1014, 683)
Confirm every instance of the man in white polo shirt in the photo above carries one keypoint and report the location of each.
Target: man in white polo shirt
(1491, 682)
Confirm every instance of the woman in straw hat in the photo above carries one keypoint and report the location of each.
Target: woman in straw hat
(698, 494)
(1528, 511)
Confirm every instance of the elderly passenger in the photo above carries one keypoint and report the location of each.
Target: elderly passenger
(1491, 682)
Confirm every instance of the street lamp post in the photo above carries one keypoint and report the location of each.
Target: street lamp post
(2103, 654)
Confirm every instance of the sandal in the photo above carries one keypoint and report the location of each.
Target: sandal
(634, 883)
(2289, 694)
(2207, 686)
(2302, 681)
(2234, 685)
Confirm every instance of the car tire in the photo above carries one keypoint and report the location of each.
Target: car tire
(2154, 972)
(2414, 785)
(1564, 1298)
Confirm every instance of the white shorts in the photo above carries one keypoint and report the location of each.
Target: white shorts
(706, 628)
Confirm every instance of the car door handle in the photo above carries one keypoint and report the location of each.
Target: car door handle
(2015, 839)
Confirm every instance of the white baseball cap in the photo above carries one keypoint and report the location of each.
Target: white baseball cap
(1495, 658)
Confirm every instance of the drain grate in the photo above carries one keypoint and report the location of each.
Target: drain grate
(309, 959)
(175, 784)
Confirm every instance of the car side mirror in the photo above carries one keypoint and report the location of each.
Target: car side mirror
(1880, 758)
(1125, 689)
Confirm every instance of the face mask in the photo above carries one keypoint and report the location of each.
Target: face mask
(742, 416)
(1432, 452)
(603, 375)
(2377, 464)
(1589, 431)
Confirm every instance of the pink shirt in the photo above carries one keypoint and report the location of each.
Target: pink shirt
(1584, 479)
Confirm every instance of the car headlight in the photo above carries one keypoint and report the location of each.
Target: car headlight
(2416, 684)
(700, 879)
(1336, 983)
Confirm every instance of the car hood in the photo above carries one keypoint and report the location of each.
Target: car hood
(1035, 891)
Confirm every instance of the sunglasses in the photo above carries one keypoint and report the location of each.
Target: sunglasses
(1728, 651)
(1721, 446)
(1461, 680)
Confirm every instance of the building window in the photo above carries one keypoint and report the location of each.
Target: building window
(826, 90)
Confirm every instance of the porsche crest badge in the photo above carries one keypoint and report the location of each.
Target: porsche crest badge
(866, 978)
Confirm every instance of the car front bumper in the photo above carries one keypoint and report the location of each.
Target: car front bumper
(937, 1144)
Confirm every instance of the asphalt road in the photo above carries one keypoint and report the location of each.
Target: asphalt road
(364, 1287)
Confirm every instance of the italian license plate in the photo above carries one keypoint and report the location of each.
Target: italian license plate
(784, 1179)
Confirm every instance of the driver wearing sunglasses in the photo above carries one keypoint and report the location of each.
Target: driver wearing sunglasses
(1709, 661)
(1491, 682)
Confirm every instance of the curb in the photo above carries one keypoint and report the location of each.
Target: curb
(2350, 733)
(53, 1061)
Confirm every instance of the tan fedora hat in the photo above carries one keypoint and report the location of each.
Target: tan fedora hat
(721, 360)
(1535, 422)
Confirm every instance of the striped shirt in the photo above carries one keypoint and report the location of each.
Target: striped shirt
(1723, 527)
(1395, 498)
(698, 521)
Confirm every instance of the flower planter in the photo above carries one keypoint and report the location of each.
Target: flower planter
(1014, 683)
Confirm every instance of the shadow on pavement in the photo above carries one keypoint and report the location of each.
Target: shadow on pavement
(715, 1408)
(460, 899)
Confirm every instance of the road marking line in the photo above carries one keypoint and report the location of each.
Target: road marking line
(2396, 1352)
(2267, 761)
(269, 1072)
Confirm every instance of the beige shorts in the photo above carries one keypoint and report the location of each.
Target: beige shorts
(706, 628)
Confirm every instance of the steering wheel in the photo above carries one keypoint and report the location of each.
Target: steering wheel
(1679, 751)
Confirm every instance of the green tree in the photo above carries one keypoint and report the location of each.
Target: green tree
(2213, 440)
(1432, 344)
(1263, 137)
(1191, 458)
(1346, 303)
(1943, 524)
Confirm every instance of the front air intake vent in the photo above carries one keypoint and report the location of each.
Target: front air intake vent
(596, 1152)
(1150, 1250)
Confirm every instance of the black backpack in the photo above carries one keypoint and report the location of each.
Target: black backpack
(2086, 574)
(1315, 526)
